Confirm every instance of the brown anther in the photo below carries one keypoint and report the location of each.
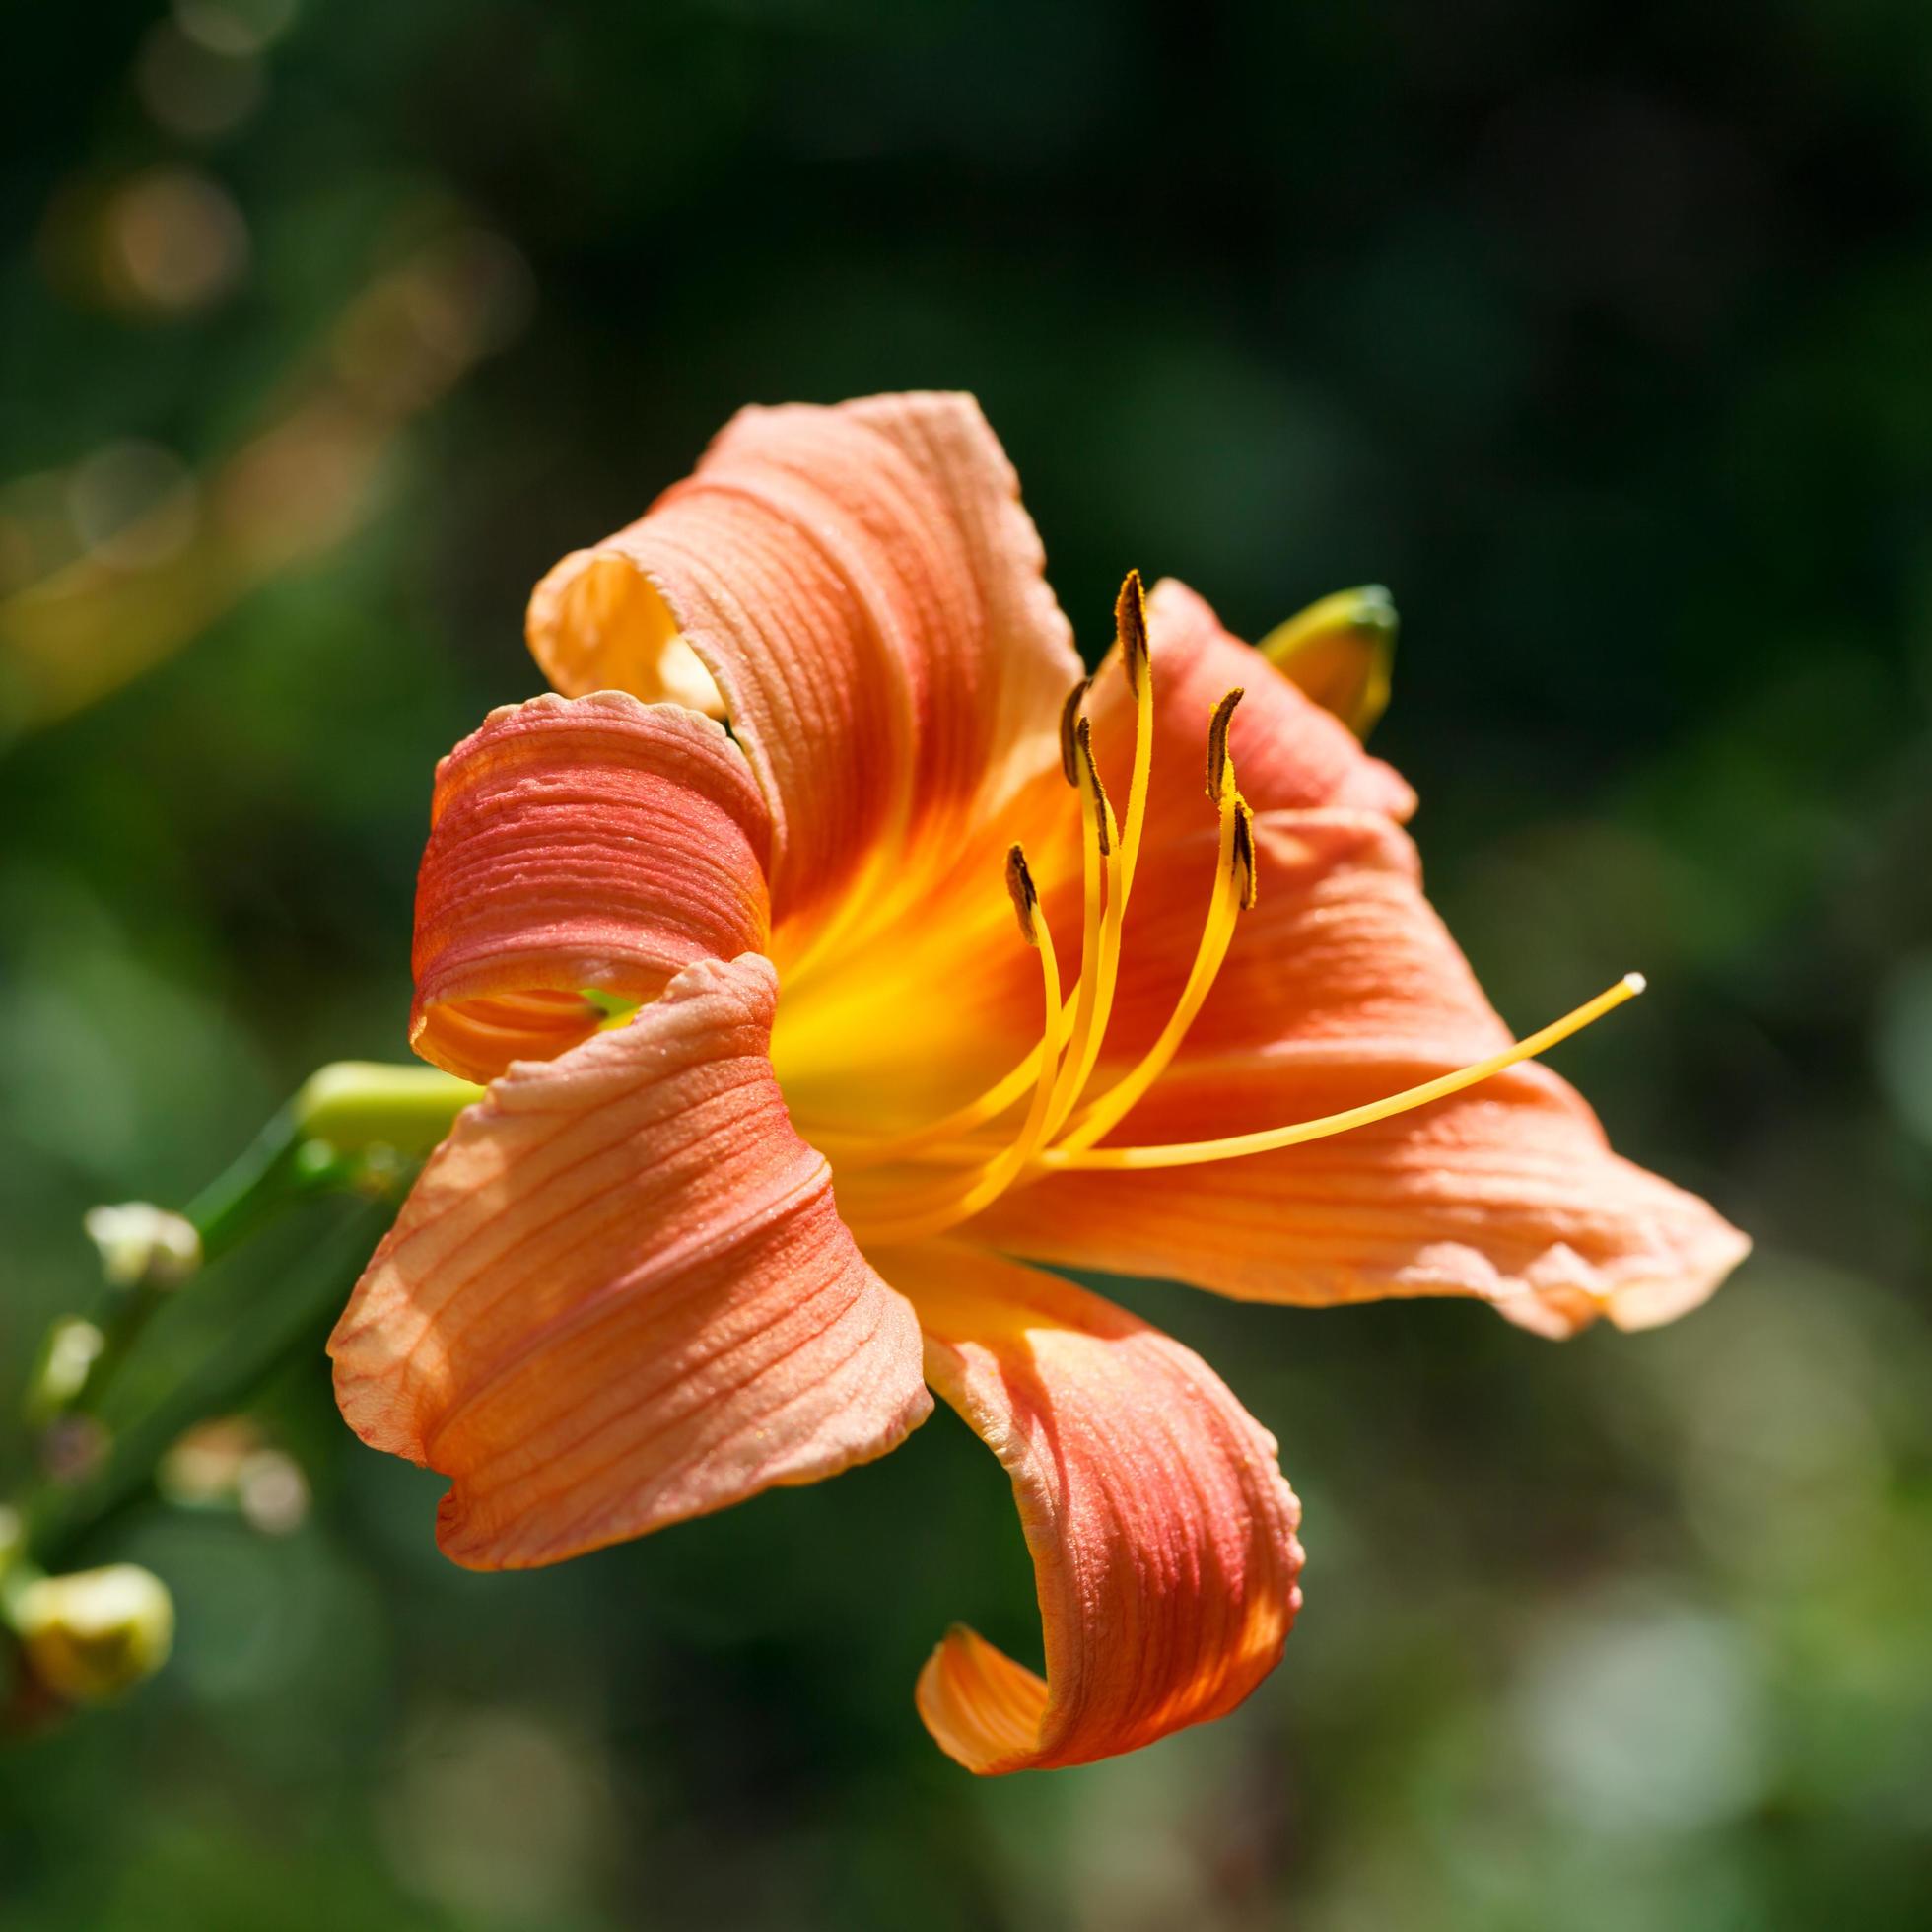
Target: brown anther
(1244, 853)
(1217, 727)
(1069, 721)
(1102, 811)
(1026, 898)
(1130, 627)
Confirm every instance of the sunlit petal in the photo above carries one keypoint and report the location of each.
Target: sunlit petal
(866, 591)
(1342, 987)
(1161, 1531)
(620, 1294)
(599, 845)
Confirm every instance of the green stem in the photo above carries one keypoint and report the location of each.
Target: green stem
(356, 1126)
(273, 1331)
(353, 1127)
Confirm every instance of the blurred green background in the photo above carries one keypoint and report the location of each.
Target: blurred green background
(1603, 333)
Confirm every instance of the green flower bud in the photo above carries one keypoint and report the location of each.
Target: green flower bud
(1340, 651)
(356, 1105)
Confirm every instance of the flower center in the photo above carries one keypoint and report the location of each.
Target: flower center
(911, 1185)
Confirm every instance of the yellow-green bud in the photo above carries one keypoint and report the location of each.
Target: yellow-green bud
(92, 1635)
(355, 1105)
(1341, 652)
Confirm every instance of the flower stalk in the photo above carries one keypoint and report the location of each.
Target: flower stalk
(355, 1127)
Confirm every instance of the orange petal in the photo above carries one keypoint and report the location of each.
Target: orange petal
(601, 844)
(866, 591)
(1288, 751)
(1161, 1531)
(1342, 987)
(620, 1294)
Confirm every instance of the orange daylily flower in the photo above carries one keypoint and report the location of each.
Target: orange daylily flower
(729, 1242)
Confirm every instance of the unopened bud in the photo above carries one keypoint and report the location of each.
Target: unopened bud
(142, 1246)
(1341, 652)
(73, 1345)
(94, 1634)
(355, 1105)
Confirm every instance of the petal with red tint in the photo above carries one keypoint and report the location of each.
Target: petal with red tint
(1343, 987)
(599, 844)
(620, 1294)
(866, 590)
(1161, 1530)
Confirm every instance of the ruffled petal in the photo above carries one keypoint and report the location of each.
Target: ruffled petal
(620, 1294)
(1343, 987)
(1161, 1530)
(867, 591)
(598, 845)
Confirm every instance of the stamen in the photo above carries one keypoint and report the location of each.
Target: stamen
(1103, 813)
(920, 1142)
(1071, 713)
(1110, 854)
(1244, 853)
(1100, 942)
(1025, 898)
(1195, 1153)
(1234, 874)
(1131, 629)
(857, 1156)
(1217, 727)
(1136, 666)
(960, 1202)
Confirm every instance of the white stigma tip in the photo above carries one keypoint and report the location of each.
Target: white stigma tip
(1634, 983)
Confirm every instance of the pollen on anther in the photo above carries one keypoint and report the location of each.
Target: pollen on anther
(1131, 626)
(1102, 812)
(1244, 853)
(1069, 721)
(1025, 895)
(1217, 729)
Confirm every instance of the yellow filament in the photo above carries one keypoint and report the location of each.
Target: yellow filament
(940, 1135)
(1101, 1116)
(960, 1203)
(1127, 840)
(1100, 938)
(1085, 1055)
(1195, 1153)
(1143, 763)
(1054, 1136)
(1009, 1089)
